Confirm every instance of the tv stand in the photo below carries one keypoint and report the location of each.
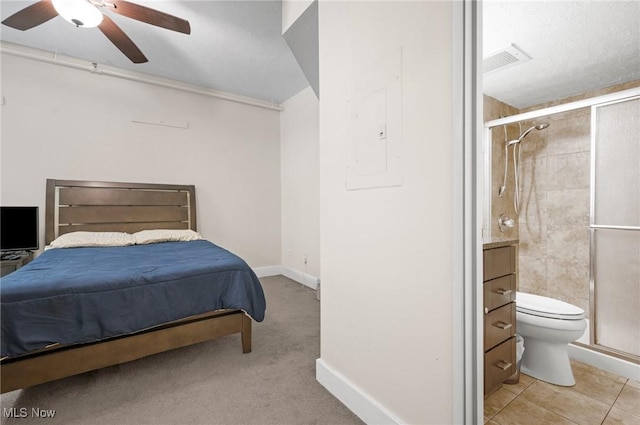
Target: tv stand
(10, 261)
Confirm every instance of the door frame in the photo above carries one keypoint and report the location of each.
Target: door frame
(468, 200)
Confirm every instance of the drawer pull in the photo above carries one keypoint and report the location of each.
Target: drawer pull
(502, 325)
(503, 291)
(503, 365)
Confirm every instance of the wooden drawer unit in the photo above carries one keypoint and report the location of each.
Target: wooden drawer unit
(499, 262)
(499, 364)
(499, 325)
(499, 295)
(498, 292)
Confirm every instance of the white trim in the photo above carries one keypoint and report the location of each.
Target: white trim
(295, 275)
(475, 297)
(605, 362)
(467, 186)
(458, 104)
(300, 277)
(267, 271)
(592, 240)
(356, 400)
(99, 69)
(565, 107)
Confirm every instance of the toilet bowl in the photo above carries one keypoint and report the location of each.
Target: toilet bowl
(548, 326)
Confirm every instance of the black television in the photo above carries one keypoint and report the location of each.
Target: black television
(19, 228)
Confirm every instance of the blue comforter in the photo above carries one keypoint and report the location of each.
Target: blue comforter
(79, 295)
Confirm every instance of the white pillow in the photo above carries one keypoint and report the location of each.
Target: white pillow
(80, 239)
(165, 235)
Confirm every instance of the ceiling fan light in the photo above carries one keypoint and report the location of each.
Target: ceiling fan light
(80, 13)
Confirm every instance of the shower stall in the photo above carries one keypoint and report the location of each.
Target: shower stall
(576, 212)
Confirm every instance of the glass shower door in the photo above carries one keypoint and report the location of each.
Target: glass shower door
(615, 227)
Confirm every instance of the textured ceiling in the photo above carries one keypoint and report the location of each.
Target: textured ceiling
(237, 46)
(234, 46)
(575, 46)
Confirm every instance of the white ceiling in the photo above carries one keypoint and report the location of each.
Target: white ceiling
(234, 46)
(237, 46)
(575, 46)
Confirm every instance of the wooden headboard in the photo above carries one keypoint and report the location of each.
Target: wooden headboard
(116, 207)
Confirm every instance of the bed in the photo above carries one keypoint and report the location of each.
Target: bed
(78, 309)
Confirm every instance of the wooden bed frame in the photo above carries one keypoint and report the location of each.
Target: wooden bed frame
(123, 207)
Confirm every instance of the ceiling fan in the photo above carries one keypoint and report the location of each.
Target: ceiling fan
(87, 14)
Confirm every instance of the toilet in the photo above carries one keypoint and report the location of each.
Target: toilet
(548, 326)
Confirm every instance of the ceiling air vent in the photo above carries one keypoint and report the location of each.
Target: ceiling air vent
(504, 58)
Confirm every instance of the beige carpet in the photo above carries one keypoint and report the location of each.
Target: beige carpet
(208, 383)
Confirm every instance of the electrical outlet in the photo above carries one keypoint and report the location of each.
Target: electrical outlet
(289, 253)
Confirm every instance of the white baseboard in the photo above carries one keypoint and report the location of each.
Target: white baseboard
(605, 362)
(359, 402)
(300, 277)
(267, 271)
(296, 275)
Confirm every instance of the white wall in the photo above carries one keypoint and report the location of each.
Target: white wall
(387, 253)
(300, 174)
(69, 124)
(291, 11)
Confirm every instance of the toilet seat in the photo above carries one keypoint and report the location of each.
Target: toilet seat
(537, 305)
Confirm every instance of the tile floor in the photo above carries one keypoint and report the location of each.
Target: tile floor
(598, 398)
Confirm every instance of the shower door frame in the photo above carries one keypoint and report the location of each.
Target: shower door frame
(592, 233)
(592, 102)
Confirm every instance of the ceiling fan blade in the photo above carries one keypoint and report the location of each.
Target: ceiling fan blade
(151, 16)
(121, 40)
(31, 16)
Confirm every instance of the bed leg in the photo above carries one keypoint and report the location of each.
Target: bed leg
(246, 334)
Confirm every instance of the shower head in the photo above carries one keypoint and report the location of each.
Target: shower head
(535, 127)
(527, 131)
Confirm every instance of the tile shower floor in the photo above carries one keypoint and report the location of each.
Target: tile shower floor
(598, 398)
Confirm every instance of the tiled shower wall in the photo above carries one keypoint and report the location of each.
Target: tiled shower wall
(553, 223)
